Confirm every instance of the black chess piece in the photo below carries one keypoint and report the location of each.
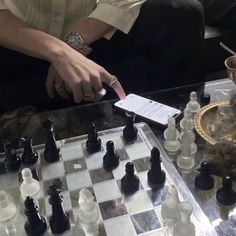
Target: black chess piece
(12, 161)
(30, 156)
(156, 176)
(35, 225)
(130, 182)
(59, 220)
(93, 143)
(205, 99)
(204, 180)
(130, 132)
(110, 159)
(226, 195)
(52, 152)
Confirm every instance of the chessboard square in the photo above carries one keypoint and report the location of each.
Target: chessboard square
(53, 170)
(72, 153)
(9, 181)
(60, 180)
(66, 203)
(74, 165)
(78, 180)
(155, 196)
(137, 150)
(143, 179)
(95, 161)
(138, 202)
(120, 226)
(119, 172)
(107, 190)
(74, 196)
(100, 175)
(122, 154)
(15, 194)
(118, 142)
(145, 221)
(142, 164)
(112, 209)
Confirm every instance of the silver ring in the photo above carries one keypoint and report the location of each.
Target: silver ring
(113, 80)
(89, 95)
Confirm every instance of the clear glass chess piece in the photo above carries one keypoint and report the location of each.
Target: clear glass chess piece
(170, 201)
(184, 226)
(189, 132)
(88, 213)
(188, 118)
(185, 160)
(193, 104)
(8, 213)
(171, 135)
(30, 186)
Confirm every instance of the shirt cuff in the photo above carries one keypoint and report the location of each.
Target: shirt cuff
(121, 19)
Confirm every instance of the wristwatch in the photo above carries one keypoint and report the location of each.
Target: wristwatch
(76, 41)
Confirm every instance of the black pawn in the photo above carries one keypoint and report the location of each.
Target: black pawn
(226, 195)
(35, 224)
(93, 143)
(51, 152)
(156, 176)
(110, 159)
(204, 180)
(205, 99)
(30, 156)
(130, 131)
(130, 182)
(12, 161)
(59, 220)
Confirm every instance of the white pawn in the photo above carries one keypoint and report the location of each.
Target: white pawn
(189, 132)
(88, 213)
(184, 226)
(185, 160)
(187, 118)
(8, 213)
(170, 201)
(30, 186)
(193, 104)
(171, 135)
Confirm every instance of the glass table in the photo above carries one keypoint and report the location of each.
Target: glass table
(75, 121)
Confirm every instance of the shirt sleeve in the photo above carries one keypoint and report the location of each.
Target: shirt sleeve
(121, 14)
(2, 5)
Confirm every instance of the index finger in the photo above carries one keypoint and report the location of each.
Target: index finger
(114, 83)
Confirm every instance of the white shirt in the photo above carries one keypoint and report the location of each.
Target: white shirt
(54, 16)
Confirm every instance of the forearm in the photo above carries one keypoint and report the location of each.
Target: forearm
(90, 29)
(17, 35)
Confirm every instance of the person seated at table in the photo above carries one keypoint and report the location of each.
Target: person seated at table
(76, 40)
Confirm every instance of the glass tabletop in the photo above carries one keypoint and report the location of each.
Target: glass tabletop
(74, 121)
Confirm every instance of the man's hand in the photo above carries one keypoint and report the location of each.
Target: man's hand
(81, 76)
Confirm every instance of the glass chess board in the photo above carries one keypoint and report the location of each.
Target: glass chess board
(138, 214)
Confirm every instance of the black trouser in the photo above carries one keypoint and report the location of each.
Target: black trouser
(167, 38)
(220, 12)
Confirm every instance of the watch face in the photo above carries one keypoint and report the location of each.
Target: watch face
(75, 42)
